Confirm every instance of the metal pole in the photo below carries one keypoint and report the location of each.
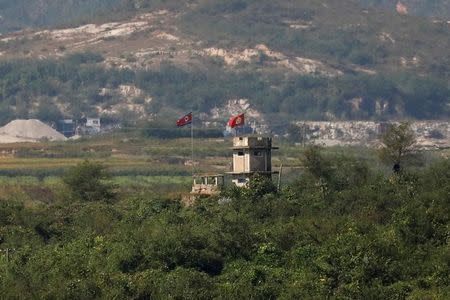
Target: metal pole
(279, 177)
(192, 145)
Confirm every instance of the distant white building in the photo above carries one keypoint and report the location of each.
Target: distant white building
(93, 125)
(89, 126)
(93, 122)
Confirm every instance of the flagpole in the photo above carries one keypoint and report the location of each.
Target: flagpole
(192, 145)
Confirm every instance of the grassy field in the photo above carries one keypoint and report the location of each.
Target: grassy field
(147, 164)
(32, 172)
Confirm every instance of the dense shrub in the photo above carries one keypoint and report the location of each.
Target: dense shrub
(340, 231)
(87, 182)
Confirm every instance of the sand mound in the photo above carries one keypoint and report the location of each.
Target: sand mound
(28, 131)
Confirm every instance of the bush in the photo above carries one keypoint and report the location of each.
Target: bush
(85, 58)
(87, 182)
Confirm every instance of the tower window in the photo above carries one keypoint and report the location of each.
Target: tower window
(241, 153)
(257, 153)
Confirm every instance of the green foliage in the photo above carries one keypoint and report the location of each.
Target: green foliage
(84, 58)
(398, 143)
(258, 187)
(76, 81)
(22, 13)
(433, 8)
(220, 7)
(314, 162)
(333, 34)
(367, 235)
(87, 182)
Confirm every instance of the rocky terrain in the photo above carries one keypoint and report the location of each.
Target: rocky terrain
(148, 39)
(434, 9)
(429, 134)
(19, 14)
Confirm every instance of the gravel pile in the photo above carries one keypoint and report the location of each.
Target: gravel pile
(28, 131)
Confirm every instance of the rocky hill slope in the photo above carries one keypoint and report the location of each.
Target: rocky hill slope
(289, 60)
(18, 14)
(437, 9)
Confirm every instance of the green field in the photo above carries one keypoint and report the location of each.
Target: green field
(133, 160)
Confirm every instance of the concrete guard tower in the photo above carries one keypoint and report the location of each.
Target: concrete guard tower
(251, 155)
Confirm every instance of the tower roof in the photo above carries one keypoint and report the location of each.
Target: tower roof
(252, 142)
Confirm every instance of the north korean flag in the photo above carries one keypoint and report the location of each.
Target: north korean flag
(187, 119)
(236, 121)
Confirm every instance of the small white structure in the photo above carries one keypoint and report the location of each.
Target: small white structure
(207, 185)
(93, 125)
(93, 122)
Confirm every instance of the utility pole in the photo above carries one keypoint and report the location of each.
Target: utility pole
(279, 177)
(192, 146)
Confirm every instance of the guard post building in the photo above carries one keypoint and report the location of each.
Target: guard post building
(251, 155)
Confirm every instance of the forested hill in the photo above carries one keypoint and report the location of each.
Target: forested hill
(430, 8)
(17, 14)
(132, 59)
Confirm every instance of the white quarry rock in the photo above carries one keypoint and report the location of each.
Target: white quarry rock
(28, 131)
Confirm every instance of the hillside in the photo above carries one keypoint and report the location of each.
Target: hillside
(439, 9)
(18, 14)
(315, 59)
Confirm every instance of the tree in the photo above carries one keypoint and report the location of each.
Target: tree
(87, 182)
(48, 111)
(258, 186)
(315, 163)
(398, 144)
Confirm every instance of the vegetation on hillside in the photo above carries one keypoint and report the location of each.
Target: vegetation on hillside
(393, 67)
(368, 46)
(21, 13)
(430, 8)
(72, 87)
(338, 32)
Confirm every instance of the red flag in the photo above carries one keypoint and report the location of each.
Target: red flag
(235, 121)
(187, 119)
